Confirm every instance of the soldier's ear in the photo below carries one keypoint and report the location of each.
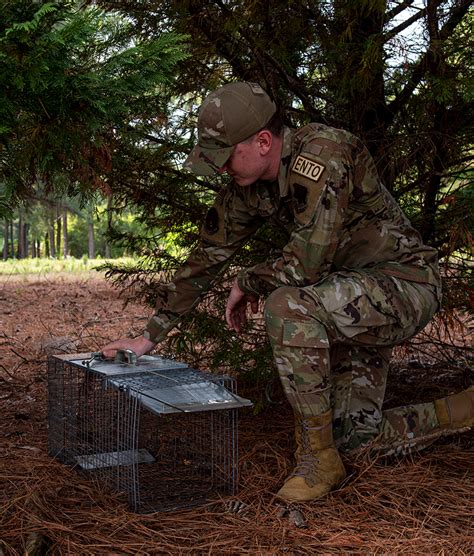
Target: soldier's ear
(264, 141)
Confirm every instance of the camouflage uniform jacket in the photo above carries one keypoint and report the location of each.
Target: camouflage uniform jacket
(338, 215)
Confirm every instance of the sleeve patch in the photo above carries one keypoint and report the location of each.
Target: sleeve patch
(211, 223)
(213, 229)
(308, 168)
(300, 197)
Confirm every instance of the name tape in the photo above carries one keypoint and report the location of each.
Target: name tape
(308, 168)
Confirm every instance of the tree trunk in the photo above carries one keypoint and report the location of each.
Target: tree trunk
(46, 245)
(38, 248)
(21, 237)
(6, 240)
(52, 245)
(91, 241)
(109, 226)
(26, 243)
(65, 242)
(437, 64)
(58, 231)
(12, 244)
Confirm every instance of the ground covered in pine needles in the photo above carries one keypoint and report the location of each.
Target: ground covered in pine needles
(423, 504)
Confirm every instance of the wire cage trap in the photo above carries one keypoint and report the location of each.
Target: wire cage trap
(161, 433)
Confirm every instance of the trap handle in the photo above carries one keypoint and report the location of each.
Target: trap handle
(127, 356)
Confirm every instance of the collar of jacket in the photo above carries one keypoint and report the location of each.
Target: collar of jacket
(285, 161)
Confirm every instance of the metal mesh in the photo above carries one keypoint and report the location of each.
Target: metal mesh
(159, 461)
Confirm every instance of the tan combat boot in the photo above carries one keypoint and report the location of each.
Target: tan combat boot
(456, 411)
(319, 468)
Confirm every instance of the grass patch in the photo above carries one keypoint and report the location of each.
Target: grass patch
(46, 266)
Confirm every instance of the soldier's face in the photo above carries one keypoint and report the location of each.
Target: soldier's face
(246, 164)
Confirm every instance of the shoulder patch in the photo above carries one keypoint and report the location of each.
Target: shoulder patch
(300, 197)
(212, 221)
(214, 229)
(314, 148)
(307, 168)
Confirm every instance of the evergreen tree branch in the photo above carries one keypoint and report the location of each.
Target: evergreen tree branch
(404, 25)
(420, 69)
(397, 10)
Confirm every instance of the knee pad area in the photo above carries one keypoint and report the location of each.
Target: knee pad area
(296, 302)
(278, 304)
(292, 319)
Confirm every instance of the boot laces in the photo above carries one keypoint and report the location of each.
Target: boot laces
(305, 467)
(307, 461)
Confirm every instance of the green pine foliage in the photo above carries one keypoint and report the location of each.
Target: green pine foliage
(73, 81)
(107, 100)
(395, 74)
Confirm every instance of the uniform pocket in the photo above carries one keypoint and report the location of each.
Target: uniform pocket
(305, 334)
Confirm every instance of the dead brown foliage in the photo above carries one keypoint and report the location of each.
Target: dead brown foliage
(418, 505)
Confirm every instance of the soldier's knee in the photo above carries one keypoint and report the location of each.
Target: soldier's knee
(292, 316)
(279, 302)
(278, 309)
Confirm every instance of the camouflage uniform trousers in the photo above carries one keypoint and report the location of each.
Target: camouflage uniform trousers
(357, 416)
(332, 343)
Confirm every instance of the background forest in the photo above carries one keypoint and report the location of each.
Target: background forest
(98, 108)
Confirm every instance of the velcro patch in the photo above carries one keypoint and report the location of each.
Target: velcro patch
(256, 89)
(214, 230)
(308, 168)
(212, 221)
(300, 197)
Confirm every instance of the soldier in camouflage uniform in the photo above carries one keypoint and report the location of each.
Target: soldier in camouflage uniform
(353, 280)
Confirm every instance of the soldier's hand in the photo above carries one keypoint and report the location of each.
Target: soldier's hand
(236, 310)
(139, 345)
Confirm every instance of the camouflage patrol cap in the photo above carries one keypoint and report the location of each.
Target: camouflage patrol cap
(229, 115)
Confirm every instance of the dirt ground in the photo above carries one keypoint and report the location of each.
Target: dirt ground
(422, 504)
